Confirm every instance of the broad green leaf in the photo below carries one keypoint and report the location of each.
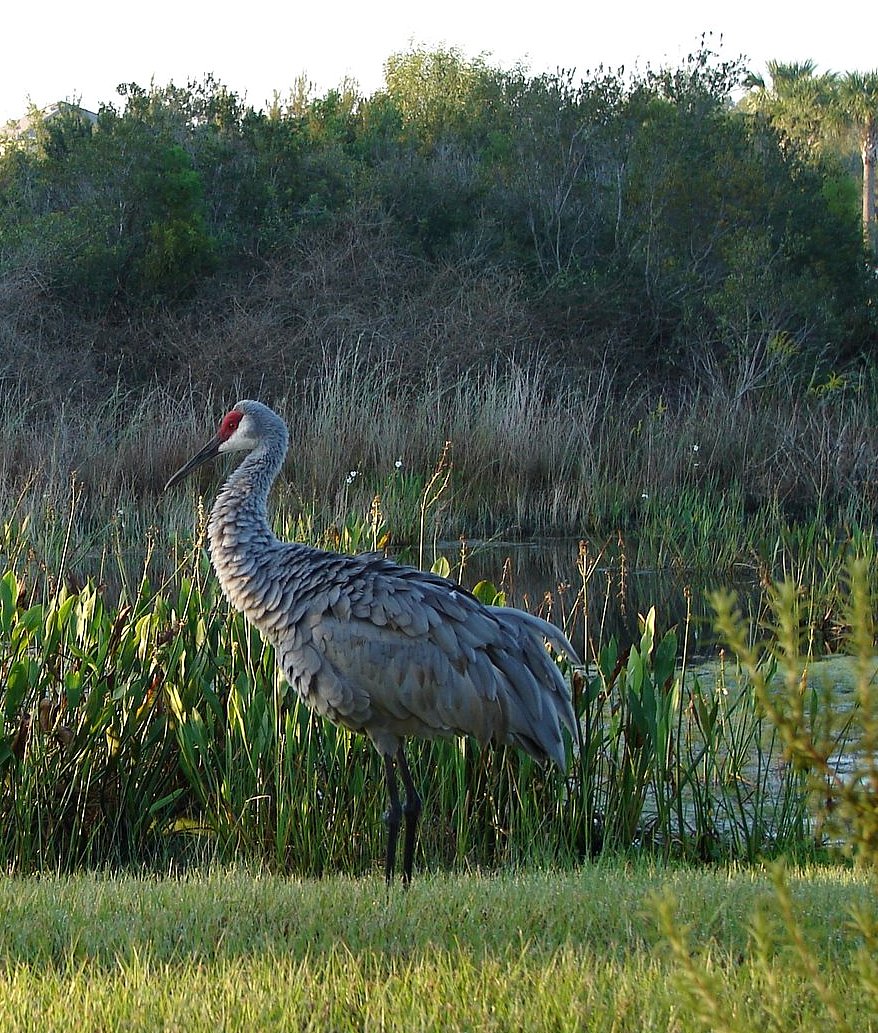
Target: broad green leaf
(17, 684)
(635, 671)
(8, 601)
(73, 688)
(486, 592)
(647, 627)
(665, 659)
(441, 566)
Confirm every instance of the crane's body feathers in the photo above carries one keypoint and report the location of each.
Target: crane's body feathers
(379, 648)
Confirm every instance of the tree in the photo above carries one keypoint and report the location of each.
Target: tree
(812, 110)
(856, 102)
(435, 91)
(796, 101)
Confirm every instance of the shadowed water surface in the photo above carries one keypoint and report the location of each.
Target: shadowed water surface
(546, 576)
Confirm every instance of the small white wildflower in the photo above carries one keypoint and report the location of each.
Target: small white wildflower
(644, 495)
(695, 448)
(351, 477)
(398, 464)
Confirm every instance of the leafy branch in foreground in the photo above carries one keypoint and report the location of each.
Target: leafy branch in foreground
(811, 723)
(847, 791)
(706, 996)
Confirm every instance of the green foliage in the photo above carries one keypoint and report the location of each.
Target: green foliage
(86, 748)
(161, 728)
(643, 210)
(830, 113)
(436, 92)
(117, 215)
(177, 247)
(667, 760)
(788, 931)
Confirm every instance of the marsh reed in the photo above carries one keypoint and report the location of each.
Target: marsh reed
(141, 719)
(157, 731)
(709, 477)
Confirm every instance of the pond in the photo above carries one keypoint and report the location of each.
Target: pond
(546, 575)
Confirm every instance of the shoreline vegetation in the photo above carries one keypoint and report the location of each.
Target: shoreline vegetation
(151, 727)
(781, 483)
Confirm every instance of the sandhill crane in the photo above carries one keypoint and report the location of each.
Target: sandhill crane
(382, 649)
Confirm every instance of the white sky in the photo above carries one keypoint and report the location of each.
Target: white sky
(64, 49)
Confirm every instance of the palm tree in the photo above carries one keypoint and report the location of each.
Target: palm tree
(795, 99)
(856, 104)
(814, 110)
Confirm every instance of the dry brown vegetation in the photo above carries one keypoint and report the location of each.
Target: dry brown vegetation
(627, 305)
(350, 289)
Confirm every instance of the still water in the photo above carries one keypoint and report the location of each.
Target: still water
(545, 577)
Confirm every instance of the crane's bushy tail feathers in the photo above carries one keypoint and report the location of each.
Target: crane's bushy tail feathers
(553, 634)
(541, 704)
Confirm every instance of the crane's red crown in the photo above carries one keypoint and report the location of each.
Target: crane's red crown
(229, 424)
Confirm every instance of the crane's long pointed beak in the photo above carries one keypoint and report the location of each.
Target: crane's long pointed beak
(210, 450)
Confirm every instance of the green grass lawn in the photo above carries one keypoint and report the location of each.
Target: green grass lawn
(229, 950)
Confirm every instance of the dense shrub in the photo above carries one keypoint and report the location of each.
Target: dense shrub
(460, 213)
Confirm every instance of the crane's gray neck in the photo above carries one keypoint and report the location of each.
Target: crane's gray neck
(247, 486)
(239, 533)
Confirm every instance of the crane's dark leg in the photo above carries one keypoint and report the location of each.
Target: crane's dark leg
(412, 812)
(393, 817)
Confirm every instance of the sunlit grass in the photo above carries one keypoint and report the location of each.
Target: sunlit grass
(539, 951)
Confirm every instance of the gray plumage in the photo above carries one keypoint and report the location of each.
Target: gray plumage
(382, 649)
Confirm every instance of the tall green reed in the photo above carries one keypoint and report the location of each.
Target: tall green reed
(161, 729)
(87, 757)
(670, 762)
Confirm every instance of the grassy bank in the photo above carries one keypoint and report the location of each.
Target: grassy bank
(540, 951)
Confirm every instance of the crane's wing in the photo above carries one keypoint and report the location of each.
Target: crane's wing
(392, 651)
